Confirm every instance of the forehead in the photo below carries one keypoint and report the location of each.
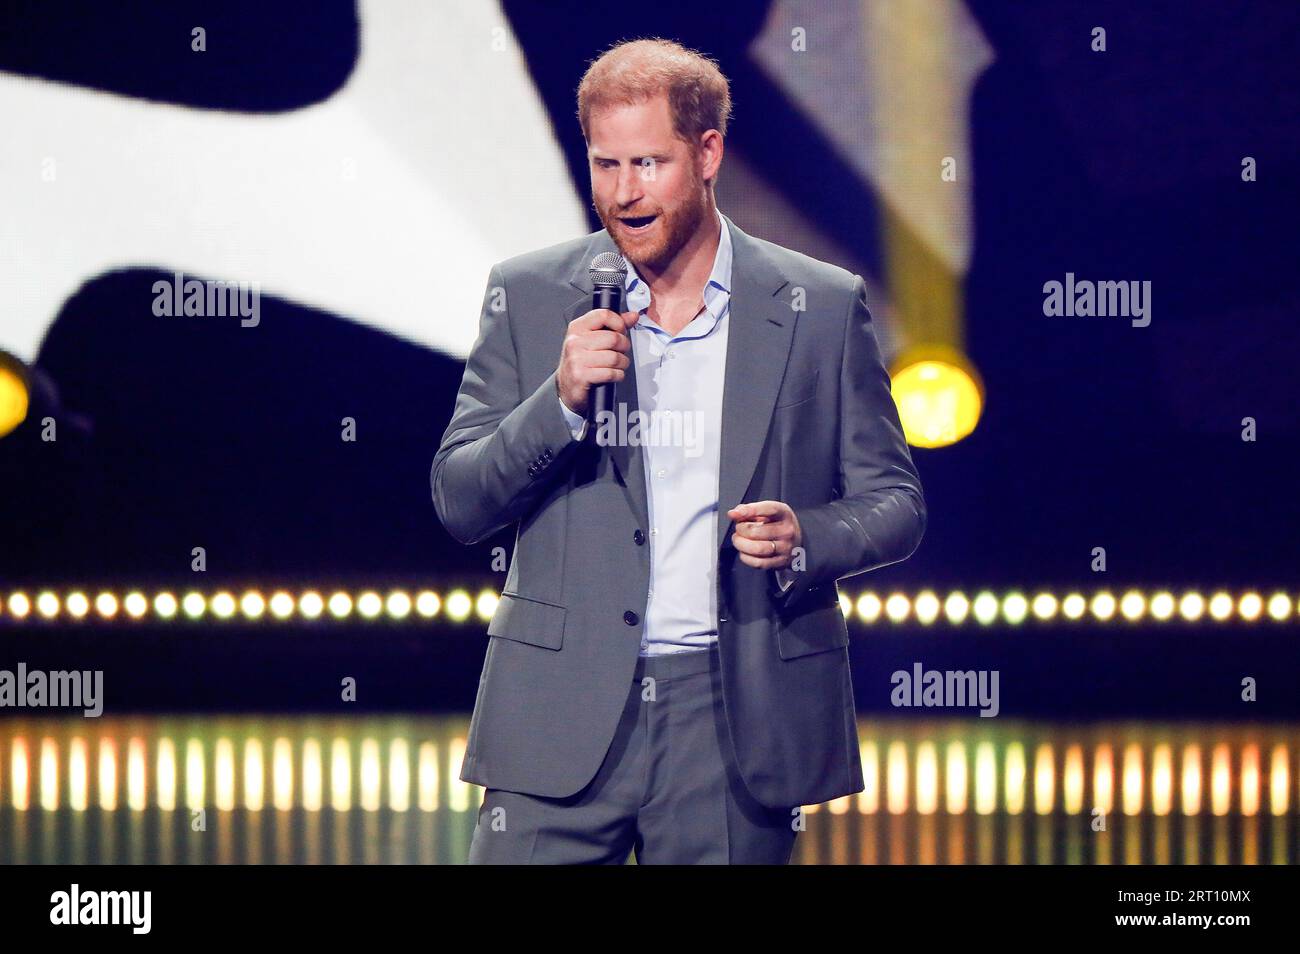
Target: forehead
(635, 129)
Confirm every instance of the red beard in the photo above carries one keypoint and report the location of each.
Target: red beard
(664, 239)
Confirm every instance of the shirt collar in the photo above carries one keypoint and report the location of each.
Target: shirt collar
(638, 292)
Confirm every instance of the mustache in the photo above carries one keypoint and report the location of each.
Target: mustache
(632, 215)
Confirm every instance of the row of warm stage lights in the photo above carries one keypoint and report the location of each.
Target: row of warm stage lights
(459, 606)
(925, 778)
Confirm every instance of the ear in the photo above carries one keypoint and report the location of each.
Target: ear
(709, 154)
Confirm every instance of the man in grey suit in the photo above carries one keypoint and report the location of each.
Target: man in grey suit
(658, 679)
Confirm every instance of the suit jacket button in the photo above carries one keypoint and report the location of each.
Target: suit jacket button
(638, 537)
(630, 618)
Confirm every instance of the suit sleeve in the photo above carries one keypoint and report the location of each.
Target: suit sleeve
(503, 449)
(879, 515)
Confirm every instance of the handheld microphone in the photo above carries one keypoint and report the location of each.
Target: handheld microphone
(608, 273)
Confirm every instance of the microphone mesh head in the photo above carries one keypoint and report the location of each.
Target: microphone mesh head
(608, 268)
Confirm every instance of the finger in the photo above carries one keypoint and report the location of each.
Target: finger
(760, 531)
(603, 340)
(766, 508)
(605, 359)
(758, 563)
(602, 375)
(758, 508)
(598, 318)
(757, 548)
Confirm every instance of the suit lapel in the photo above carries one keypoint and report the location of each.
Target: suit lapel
(758, 344)
(761, 327)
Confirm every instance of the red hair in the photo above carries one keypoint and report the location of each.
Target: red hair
(634, 71)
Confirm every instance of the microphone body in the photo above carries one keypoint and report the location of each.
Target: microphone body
(608, 272)
(611, 297)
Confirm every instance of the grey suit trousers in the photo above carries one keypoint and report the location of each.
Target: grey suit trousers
(668, 788)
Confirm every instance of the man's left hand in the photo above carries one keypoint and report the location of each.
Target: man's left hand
(766, 533)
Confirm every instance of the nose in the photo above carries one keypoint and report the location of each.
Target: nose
(629, 185)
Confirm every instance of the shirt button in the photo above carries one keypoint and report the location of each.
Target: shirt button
(630, 618)
(638, 537)
(661, 473)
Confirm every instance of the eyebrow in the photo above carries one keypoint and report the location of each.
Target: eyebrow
(659, 157)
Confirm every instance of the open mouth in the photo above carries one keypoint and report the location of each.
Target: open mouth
(638, 223)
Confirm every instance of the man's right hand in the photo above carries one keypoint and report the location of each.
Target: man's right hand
(596, 351)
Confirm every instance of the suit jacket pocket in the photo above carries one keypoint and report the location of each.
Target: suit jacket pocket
(528, 620)
(815, 625)
(797, 390)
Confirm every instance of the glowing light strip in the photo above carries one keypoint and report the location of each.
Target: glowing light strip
(1118, 607)
(909, 774)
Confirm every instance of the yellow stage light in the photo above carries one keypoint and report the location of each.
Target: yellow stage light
(13, 393)
(340, 605)
(486, 605)
(427, 603)
(19, 605)
(1191, 606)
(1162, 605)
(1014, 778)
(310, 604)
(897, 607)
(135, 605)
(252, 605)
(194, 605)
(1132, 605)
(1103, 606)
(78, 605)
(926, 607)
(1044, 606)
(223, 605)
(1014, 608)
(985, 608)
(281, 605)
(939, 395)
(869, 607)
(459, 605)
(47, 604)
(956, 606)
(164, 604)
(369, 605)
(106, 605)
(398, 605)
(986, 779)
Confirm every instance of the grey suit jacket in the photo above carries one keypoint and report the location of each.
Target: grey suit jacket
(807, 419)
